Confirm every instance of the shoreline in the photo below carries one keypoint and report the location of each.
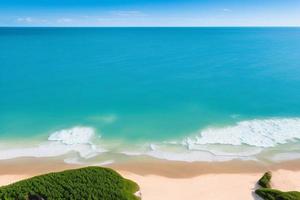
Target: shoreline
(213, 143)
(148, 166)
(177, 180)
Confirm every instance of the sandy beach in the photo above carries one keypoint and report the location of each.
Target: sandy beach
(161, 180)
(233, 186)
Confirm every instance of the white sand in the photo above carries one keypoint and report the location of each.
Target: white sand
(286, 180)
(211, 186)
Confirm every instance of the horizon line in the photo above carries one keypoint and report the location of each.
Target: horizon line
(255, 26)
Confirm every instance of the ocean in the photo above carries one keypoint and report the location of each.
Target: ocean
(109, 94)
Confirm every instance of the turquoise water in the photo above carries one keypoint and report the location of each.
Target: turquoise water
(146, 84)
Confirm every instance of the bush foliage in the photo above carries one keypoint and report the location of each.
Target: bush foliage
(267, 193)
(265, 180)
(272, 194)
(90, 183)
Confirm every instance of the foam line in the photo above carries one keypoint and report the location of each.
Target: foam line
(260, 133)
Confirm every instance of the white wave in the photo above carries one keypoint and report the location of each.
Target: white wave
(47, 149)
(76, 135)
(78, 139)
(182, 154)
(108, 162)
(131, 153)
(79, 144)
(152, 147)
(74, 161)
(286, 156)
(260, 133)
(175, 151)
(77, 161)
(245, 140)
(193, 156)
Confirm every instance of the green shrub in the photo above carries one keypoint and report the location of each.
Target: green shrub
(267, 193)
(265, 180)
(272, 194)
(90, 183)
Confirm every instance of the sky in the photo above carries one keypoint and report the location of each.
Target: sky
(105, 13)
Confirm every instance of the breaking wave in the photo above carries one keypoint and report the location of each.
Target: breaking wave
(260, 133)
(244, 140)
(76, 135)
(79, 140)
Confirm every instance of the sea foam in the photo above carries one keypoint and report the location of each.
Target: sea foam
(260, 133)
(80, 140)
(76, 135)
(244, 140)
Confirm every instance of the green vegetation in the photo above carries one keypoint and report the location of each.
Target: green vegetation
(265, 180)
(272, 194)
(90, 183)
(267, 193)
